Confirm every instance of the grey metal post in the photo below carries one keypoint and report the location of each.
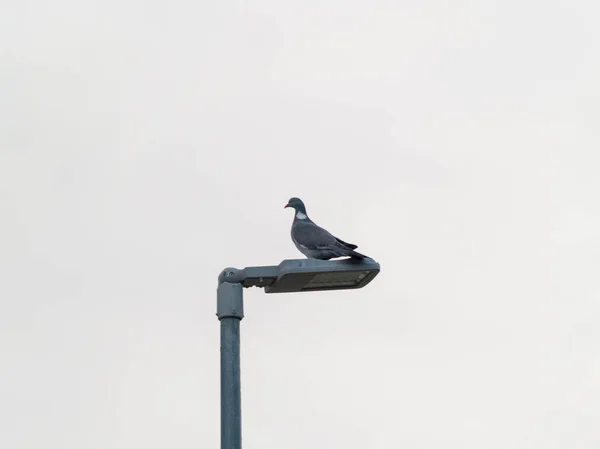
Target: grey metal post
(230, 311)
(289, 276)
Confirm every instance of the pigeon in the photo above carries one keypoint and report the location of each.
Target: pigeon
(315, 242)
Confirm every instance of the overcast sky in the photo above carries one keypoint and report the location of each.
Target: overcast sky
(147, 145)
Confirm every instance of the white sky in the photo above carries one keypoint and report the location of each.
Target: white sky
(147, 145)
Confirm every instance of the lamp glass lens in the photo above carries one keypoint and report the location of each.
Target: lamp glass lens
(336, 279)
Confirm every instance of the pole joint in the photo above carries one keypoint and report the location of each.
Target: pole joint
(232, 276)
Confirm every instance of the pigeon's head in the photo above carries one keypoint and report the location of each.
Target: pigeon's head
(297, 204)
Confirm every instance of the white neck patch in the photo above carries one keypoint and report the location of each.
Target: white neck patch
(300, 216)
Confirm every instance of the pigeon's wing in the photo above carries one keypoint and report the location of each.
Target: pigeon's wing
(349, 245)
(308, 235)
(312, 236)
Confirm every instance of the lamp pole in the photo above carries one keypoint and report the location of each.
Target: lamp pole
(288, 276)
(230, 311)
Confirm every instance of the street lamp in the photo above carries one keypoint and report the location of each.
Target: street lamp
(297, 275)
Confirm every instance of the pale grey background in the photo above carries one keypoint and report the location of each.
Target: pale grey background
(147, 145)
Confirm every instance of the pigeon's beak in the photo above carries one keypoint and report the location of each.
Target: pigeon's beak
(286, 206)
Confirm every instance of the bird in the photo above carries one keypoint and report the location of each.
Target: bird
(315, 242)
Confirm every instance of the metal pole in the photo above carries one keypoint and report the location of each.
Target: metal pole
(230, 311)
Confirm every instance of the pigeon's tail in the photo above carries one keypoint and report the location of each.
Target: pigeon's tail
(348, 249)
(357, 255)
(346, 244)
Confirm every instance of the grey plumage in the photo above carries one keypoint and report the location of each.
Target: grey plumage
(315, 242)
